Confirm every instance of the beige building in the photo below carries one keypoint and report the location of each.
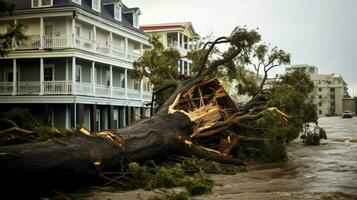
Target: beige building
(75, 66)
(328, 92)
(181, 36)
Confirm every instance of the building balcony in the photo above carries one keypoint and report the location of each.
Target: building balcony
(67, 88)
(35, 42)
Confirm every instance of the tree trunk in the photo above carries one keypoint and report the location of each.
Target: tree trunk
(198, 110)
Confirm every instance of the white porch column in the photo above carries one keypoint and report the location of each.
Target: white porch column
(67, 88)
(94, 37)
(141, 88)
(126, 48)
(126, 83)
(111, 81)
(41, 32)
(183, 40)
(74, 75)
(111, 43)
(141, 49)
(14, 77)
(41, 76)
(93, 78)
(188, 43)
(178, 39)
(74, 35)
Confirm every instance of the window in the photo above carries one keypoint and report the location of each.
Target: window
(41, 3)
(117, 12)
(320, 96)
(320, 104)
(136, 20)
(107, 78)
(320, 112)
(78, 73)
(77, 1)
(320, 89)
(48, 73)
(96, 5)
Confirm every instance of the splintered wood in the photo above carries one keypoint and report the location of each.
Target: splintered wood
(209, 106)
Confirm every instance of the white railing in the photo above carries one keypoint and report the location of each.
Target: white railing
(133, 94)
(102, 48)
(84, 43)
(133, 56)
(119, 92)
(57, 87)
(84, 88)
(33, 42)
(52, 41)
(28, 87)
(102, 90)
(119, 53)
(147, 95)
(6, 88)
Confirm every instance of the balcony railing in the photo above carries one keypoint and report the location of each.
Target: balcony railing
(57, 87)
(33, 42)
(28, 87)
(6, 88)
(51, 41)
(66, 88)
(66, 41)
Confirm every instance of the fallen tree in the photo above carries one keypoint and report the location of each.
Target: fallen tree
(199, 118)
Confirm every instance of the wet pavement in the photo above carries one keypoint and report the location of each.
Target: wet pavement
(328, 171)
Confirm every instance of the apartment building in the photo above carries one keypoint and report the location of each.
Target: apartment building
(75, 66)
(328, 92)
(181, 36)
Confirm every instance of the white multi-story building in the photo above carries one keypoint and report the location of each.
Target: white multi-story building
(329, 90)
(181, 36)
(75, 66)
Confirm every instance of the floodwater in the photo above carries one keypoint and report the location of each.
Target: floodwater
(328, 171)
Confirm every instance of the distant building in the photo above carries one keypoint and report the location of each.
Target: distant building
(181, 36)
(74, 68)
(350, 104)
(329, 90)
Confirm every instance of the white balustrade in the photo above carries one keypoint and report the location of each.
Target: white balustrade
(133, 94)
(84, 88)
(118, 53)
(102, 90)
(84, 43)
(32, 42)
(28, 87)
(102, 48)
(133, 56)
(6, 88)
(52, 41)
(119, 92)
(57, 87)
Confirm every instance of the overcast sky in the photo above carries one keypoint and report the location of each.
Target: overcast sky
(316, 32)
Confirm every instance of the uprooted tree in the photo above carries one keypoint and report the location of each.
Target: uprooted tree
(199, 118)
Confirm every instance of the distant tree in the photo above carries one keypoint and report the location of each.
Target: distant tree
(15, 32)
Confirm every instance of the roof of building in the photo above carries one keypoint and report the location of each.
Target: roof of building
(107, 10)
(164, 26)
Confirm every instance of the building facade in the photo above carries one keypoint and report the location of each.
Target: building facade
(181, 36)
(329, 90)
(75, 66)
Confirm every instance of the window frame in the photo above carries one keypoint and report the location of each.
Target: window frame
(79, 2)
(136, 20)
(118, 11)
(39, 4)
(99, 3)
